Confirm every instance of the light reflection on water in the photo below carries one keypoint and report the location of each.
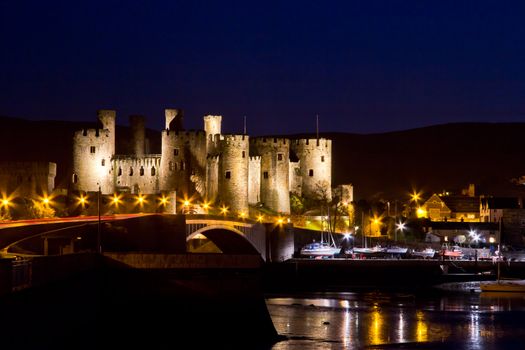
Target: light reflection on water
(350, 320)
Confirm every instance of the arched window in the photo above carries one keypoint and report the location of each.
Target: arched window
(119, 171)
(103, 162)
(131, 171)
(141, 171)
(152, 171)
(75, 178)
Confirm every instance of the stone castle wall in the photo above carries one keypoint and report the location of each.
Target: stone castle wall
(254, 180)
(231, 169)
(183, 162)
(315, 158)
(27, 179)
(137, 175)
(233, 172)
(275, 167)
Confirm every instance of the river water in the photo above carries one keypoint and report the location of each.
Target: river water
(428, 320)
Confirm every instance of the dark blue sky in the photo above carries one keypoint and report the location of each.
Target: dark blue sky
(363, 66)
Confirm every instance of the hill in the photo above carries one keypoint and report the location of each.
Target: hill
(388, 165)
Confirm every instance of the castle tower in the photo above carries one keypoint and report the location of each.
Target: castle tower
(93, 150)
(274, 179)
(107, 118)
(233, 172)
(315, 166)
(174, 119)
(212, 126)
(138, 132)
(183, 162)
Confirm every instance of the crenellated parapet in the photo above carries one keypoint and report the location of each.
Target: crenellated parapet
(137, 174)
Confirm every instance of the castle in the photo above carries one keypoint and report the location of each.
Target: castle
(227, 169)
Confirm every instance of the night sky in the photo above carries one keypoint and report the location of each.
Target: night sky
(362, 66)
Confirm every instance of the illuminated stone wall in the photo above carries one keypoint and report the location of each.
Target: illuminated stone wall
(315, 159)
(138, 175)
(233, 172)
(275, 167)
(27, 179)
(93, 150)
(254, 180)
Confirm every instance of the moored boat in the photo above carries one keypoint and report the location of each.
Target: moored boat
(319, 249)
(427, 253)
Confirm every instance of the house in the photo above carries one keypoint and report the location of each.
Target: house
(471, 233)
(451, 208)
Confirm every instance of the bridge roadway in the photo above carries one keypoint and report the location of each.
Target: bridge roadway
(230, 235)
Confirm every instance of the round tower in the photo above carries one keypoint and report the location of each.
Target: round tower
(174, 119)
(138, 133)
(233, 173)
(92, 165)
(183, 162)
(315, 166)
(212, 126)
(107, 118)
(275, 166)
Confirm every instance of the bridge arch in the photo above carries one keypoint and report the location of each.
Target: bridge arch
(228, 239)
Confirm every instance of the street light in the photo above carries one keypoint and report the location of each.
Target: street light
(400, 226)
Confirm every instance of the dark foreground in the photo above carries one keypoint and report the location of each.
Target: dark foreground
(129, 309)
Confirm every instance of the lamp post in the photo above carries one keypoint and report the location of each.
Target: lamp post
(99, 243)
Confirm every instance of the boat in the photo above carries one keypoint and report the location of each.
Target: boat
(427, 253)
(396, 250)
(452, 252)
(319, 249)
(325, 248)
(374, 250)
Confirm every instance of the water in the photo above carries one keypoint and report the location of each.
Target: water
(435, 320)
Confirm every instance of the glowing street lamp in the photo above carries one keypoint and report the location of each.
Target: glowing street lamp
(260, 218)
(401, 227)
(224, 210)
(163, 200)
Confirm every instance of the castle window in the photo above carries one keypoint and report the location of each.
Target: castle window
(279, 156)
(141, 171)
(119, 171)
(311, 172)
(130, 171)
(244, 154)
(75, 178)
(228, 174)
(265, 174)
(170, 166)
(322, 158)
(175, 151)
(152, 171)
(103, 162)
(182, 165)
(92, 149)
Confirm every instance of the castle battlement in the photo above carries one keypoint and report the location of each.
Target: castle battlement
(255, 158)
(269, 141)
(92, 133)
(234, 138)
(312, 143)
(185, 134)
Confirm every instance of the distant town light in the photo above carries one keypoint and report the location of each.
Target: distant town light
(115, 199)
(401, 226)
(280, 221)
(260, 218)
(5, 202)
(186, 203)
(492, 240)
(421, 213)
